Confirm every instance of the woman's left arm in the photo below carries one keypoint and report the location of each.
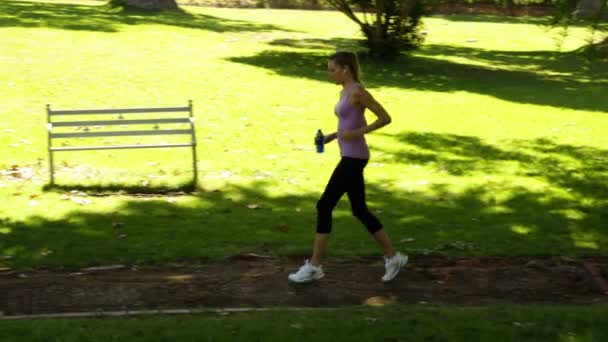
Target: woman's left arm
(362, 97)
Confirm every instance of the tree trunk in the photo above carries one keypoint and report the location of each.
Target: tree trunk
(509, 7)
(588, 8)
(375, 40)
(152, 4)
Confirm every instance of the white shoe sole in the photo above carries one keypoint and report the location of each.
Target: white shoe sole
(401, 265)
(317, 277)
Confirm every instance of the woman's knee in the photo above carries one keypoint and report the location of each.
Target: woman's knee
(361, 212)
(368, 219)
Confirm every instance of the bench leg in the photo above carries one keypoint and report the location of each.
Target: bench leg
(51, 168)
(194, 166)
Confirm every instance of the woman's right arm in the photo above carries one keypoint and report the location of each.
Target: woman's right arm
(330, 137)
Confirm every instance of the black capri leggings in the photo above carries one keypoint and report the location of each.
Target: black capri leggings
(346, 178)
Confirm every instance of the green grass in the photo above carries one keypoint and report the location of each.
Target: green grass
(393, 323)
(498, 142)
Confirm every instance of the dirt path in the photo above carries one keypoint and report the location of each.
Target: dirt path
(246, 281)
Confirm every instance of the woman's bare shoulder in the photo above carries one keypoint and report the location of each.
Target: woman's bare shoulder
(360, 93)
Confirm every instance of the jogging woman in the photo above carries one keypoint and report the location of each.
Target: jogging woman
(343, 69)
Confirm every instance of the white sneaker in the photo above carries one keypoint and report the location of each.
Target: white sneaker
(393, 266)
(307, 273)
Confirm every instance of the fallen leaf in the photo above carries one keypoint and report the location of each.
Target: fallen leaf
(253, 206)
(81, 201)
(284, 228)
(378, 301)
(407, 240)
(296, 326)
(226, 174)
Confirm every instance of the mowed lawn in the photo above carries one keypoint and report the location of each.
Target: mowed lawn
(498, 144)
(514, 323)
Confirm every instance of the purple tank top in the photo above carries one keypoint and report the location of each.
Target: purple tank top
(351, 117)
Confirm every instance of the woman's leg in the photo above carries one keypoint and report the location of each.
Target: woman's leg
(333, 192)
(356, 195)
(319, 248)
(385, 243)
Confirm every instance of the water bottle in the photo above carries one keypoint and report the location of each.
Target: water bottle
(320, 141)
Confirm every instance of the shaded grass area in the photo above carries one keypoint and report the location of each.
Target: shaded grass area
(105, 18)
(552, 79)
(391, 323)
(494, 215)
(488, 18)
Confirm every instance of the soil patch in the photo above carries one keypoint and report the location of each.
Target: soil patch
(249, 281)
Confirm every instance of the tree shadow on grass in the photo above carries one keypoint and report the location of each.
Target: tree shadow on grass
(571, 89)
(580, 170)
(104, 18)
(545, 22)
(318, 43)
(122, 189)
(564, 63)
(499, 19)
(498, 218)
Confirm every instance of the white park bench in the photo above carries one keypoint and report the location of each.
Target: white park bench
(95, 127)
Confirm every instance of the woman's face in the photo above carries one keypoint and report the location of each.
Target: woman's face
(336, 72)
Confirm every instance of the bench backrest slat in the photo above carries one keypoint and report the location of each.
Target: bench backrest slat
(119, 111)
(119, 122)
(122, 133)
